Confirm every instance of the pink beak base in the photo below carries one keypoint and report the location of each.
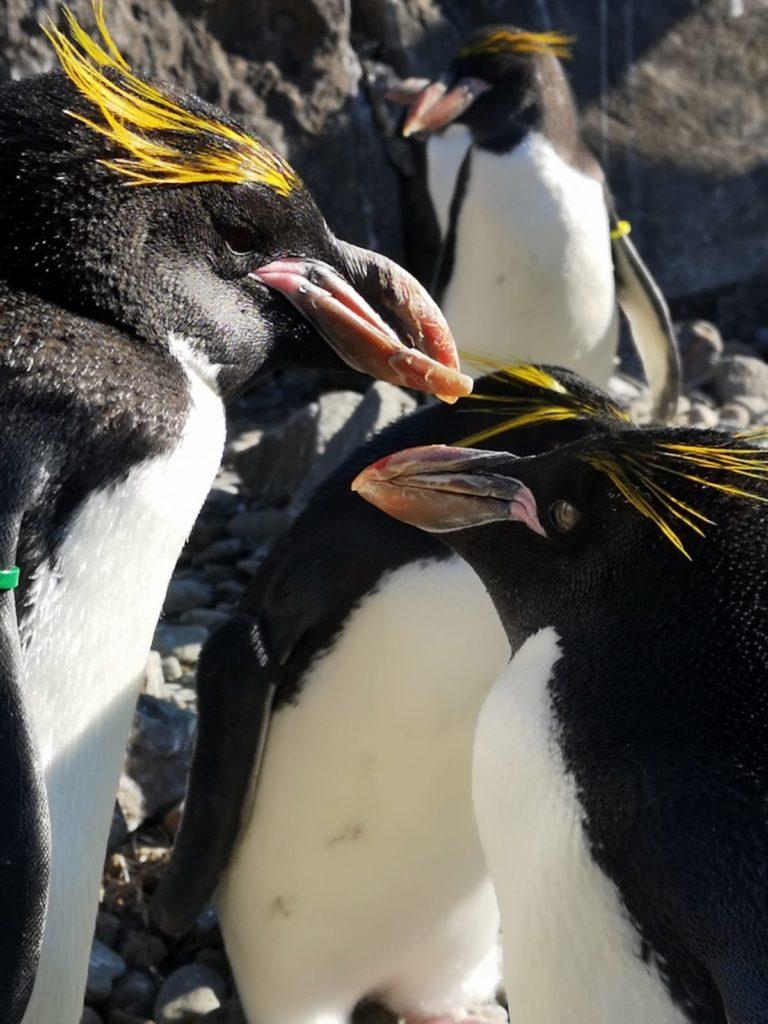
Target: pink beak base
(441, 489)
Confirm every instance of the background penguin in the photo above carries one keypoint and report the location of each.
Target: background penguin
(139, 230)
(531, 246)
(358, 871)
(620, 766)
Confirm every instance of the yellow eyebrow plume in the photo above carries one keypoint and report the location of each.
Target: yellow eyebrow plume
(506, 40)
(164, 143)
(639, 473)
(541, 399)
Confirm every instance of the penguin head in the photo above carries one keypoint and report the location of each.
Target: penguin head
(497, 86)
(142, 206)
(545, 532)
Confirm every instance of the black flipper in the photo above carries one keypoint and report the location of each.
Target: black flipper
(25, 835)
(646, 309)
(236, 682)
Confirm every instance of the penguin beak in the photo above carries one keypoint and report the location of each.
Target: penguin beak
(441, 489)
(437, 106)
(413, 348)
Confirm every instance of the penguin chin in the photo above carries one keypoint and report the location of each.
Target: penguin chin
(358, 334)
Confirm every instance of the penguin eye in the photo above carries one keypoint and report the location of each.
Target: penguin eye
(564, 515)
(240, 240)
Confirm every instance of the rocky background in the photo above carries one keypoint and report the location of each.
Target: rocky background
(674, 96)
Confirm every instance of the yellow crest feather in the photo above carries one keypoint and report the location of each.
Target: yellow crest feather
(508, 40)
(638, 472)
(142, 121)
(545, 400)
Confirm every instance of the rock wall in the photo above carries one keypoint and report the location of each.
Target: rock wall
(674, 95)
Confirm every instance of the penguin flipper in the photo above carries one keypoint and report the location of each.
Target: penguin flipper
(25, 835)
(235, 690)
(646, 309)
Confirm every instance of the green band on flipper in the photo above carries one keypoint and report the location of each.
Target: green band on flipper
(9, 578)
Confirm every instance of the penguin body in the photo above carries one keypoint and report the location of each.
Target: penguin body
(532, 250)
(127, 315)
(353, 868)
(358, 872)
(109, 551)
(532, 238)
(619, 770)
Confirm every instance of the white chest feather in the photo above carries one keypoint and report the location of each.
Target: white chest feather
(360, 870)
(533, 273)
(570, 954)
(87, 643)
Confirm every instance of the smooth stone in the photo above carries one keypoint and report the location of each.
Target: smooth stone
(134, 993)
(90, 1016)
(104, 968)
(223, 551)
(702, 415)
(141, 949)
(209, 617)
(154, 679)
(262, 525)
(740, 376)
(107, 928)
(735, 416)
(158, 758)
(171, 668)
(169, 640)
(184, 594)
(701, 347)
(188, 994)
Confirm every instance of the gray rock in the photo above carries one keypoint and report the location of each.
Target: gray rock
(259, 527)
(107, 928)
(90, 1016)
(229, 590)
(276, 465)
(739, 376)
(702, 415)
(118, 830)
(221, 552)
(158, 759)
(154, 681)
(189, 994)
(141, 949)
(171, 668)
(756, 405)
(185, 594)
(381, 405)
(104, 968)
(178, 640)
(701, 347)
(208, 617)
(134, 993)
(734, 416)
(130, 800)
